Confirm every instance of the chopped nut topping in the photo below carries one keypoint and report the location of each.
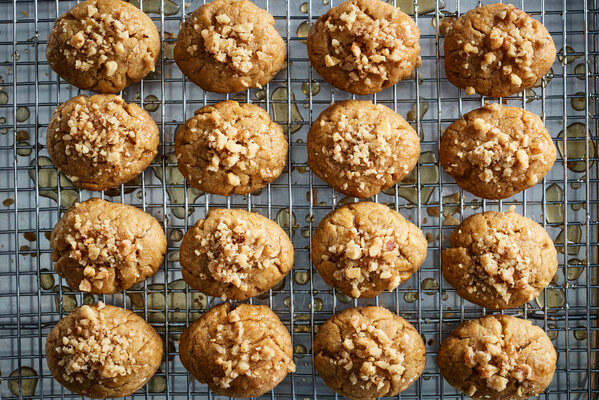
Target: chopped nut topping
(230, 42)
(375, 42)
(236, 248)
(92, 351)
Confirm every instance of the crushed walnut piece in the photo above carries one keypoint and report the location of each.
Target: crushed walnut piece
(98, 132)
(101, 248)
(230, 42)
(375, 42)
(236, 248)
(497, 362)
(92, 350)
(103, 38)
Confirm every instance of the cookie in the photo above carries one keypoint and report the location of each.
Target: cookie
(360, 148)
(498, 357)
(103, 45)
(368, 352)
(228, 46)
(101, 141)
(495, 152)
(499, 260)
(235, 254)
(241, 352)
(364, 46)
(102, 351)
(230, 148)
(497, 50)
(102, 247)
(365, 248)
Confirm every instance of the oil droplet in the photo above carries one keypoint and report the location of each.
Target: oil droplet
(260, 94)
(240, 97)
(157, 384)
(3, 99)
(303, 328)
(28, 384)
(580, 333)
(304, 7)
(300, 349)
(318, 304)
(429, 174)
(287, 301)
(282, 218)
(578, 102)
(575, 268)
(22, 114)
(69, 301)
(46, 279)
(281, 112)
(173, 256)
(581, 71)
(326, 2)
(555, 298)
(153, 6)
(552, 331)
(574, 234)
(89, 299)
(451, 204)
(570, 57)
(301, 277)
(306, 88)
(176, 235)
(342, 297)
(554, 212)
(579, 182)
(47, 180)
(174, 178)
(411, 116)
(302, 31)
(576, 133)
(151, 103)
(424, 6)
(530, 94)
(411, 296)
(24, 149)
(430, 286)
(544, 80)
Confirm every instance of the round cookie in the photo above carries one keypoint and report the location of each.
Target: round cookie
(235, 254)
(101, 141)
(241, 352)
(230, 148)
(495, 152)
(360, 148)
(365, 248)
(368, 352)
(228, 46)
(103, 247)
(497, 50)
(364, 46)
(102, 351)
(499, 260)
(103, 45)
(498, 357)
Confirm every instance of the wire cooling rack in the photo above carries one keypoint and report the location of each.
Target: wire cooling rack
(33, 196)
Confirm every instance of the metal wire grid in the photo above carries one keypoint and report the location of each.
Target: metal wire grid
(297, 200)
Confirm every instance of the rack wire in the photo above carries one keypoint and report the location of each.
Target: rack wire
(33, 195)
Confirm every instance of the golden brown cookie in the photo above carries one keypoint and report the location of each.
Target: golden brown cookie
(102, 351)
(499, 260)
(365, 248)
(497, 50)
(360, 148)
(228, 46)
(103, 45)
(235, 254)
(368, 352)
(498, 357)
(103, 247)
(230, 148)
(495, 152)
(364, 46)
(101, 141)
(241, 352)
